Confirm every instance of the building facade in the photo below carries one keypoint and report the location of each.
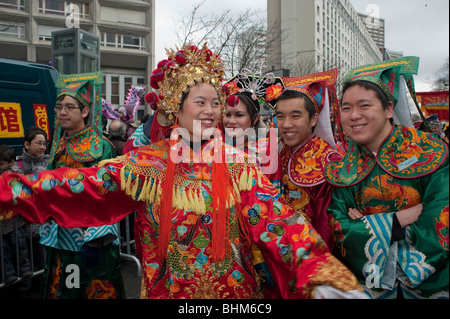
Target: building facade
(318, 35)
(125, 27)
(376, 28)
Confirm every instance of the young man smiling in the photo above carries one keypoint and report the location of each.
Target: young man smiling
(390, 206)
(305, 153)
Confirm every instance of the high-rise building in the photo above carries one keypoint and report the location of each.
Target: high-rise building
(125, 27)
(318, 35)
(375, 27)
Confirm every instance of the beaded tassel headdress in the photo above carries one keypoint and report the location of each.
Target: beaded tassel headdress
(183, 69)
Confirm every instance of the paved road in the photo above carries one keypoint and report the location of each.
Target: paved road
(131, 279)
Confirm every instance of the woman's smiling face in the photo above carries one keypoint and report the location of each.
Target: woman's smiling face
(236, 119)
(200, 110)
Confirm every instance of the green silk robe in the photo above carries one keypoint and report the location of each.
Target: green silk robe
(411, 167)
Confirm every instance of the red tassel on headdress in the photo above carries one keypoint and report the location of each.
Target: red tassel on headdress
(219, 183)
(165, 210)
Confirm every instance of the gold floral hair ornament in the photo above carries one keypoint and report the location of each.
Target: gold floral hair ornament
(184, 68)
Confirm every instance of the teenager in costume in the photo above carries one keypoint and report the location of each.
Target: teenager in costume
(244, 130)
(200, 214)
(390, 204)
(78, 142)
(303, 118)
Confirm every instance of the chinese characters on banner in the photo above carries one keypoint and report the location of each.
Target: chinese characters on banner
(11, 124)
(10, 120)
(41, 117)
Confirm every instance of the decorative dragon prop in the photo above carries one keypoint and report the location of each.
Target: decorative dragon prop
(133, 99)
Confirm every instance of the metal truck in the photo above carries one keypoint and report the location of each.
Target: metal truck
(27, 98)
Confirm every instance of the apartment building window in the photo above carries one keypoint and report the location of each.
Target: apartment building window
(45, 32)
(12, 30)
(116, 15)
(132, 42)
(13, 4)
(114, 92)
(62, 7)
(116, 40)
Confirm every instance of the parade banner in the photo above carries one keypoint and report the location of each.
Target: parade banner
(11, 120)
(435, 103)
(41, 117)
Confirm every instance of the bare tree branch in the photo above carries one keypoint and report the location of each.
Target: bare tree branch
(240, 39)
(441, 82)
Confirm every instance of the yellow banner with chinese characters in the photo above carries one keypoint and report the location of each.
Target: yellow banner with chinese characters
(11, 120)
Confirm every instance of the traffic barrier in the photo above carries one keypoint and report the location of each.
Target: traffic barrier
(12, 244)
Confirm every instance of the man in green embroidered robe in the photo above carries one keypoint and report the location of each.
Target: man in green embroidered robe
(390, 206)
(81, 262)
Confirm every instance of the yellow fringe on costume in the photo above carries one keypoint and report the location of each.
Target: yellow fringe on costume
(144, 183)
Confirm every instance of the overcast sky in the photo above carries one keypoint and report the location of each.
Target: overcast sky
(414, 27)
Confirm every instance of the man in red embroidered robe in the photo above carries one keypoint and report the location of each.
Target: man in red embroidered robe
(304, 125)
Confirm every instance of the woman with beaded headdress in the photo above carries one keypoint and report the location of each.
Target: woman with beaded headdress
(242, 123)
(199, 214)
(244, 129)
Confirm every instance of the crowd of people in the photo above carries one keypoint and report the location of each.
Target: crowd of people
(228, 205)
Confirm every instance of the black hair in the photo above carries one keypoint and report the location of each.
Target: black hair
(183, 98)
(31, 133)
(293, 94)
(7, 153)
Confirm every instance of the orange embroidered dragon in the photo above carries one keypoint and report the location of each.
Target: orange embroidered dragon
(385, 190)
